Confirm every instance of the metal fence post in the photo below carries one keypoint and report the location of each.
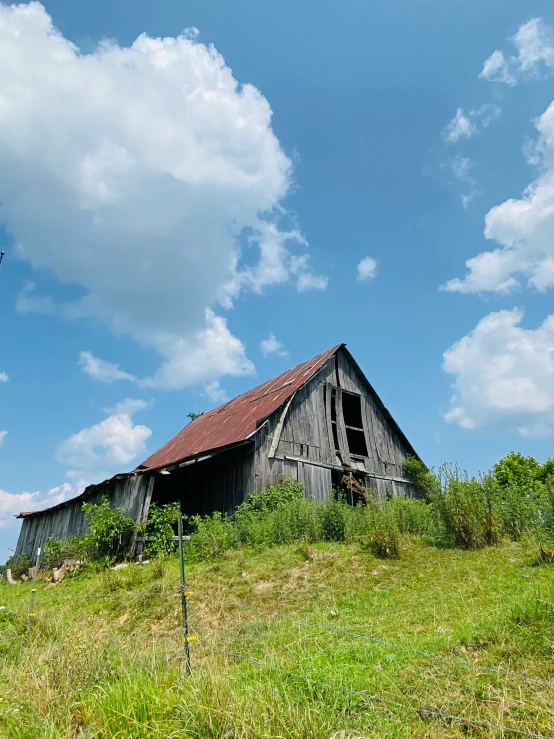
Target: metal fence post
(184, 594)
(33, 591)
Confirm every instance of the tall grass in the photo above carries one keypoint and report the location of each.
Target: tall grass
(283, 515)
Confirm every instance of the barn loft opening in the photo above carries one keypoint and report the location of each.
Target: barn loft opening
(352, 415)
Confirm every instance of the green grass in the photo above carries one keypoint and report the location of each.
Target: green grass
(293, 641)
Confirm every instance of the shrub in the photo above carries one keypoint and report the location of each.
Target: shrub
(110, 531)
(467, 509)
(424, 481)
(56, 550)
(211, 535)
(276, 496)
(19, 566)
(334, 520)
(412, 516)
(159, 529)
(383, 540)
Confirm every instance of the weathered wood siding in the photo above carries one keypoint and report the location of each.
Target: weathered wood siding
(131, 493)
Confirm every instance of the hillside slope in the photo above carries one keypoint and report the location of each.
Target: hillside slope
(297, 641)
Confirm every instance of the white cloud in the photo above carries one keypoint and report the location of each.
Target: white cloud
(106, 447)
(466, 125)
(11, 504)
(129, 406)
(101, 370)
(367, 269)
(497, 69)
(4, 377)
(469, 197)
(504, 375)
(147, 177)
(213, 352)
(459, 127)
(272, 346)
(214, 392)
(534, 50)
(486, 114)
(3, 435)
(461, 167)
(524, 230)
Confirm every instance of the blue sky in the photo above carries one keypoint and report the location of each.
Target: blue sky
(322, 175)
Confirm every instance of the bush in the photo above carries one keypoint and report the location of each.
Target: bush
(467, 509)
(412, 516)
(159, 529)
(424, 481)
(334, 520)
(110, 531)
(56, 550)
(276, 496)
(211, 535)
(383, 539)
(19, 566)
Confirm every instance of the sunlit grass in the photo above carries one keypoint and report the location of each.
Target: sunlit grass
(293, 641)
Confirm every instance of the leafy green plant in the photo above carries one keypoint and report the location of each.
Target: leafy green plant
(19, 566)
(467, 509)
(334, 520)
(424, 480)
(159, 529)
(516, 470)
(57, 550)
(276, 496)
(211, 536)
(110, 531)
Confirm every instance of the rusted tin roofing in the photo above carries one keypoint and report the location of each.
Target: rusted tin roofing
(237, 419)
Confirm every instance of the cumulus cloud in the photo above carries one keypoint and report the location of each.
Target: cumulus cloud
(13, 503)
(504, 374)
(4, 377)
(524, 230)
(111, 445)
(101, 370)
(214, 392)
(3, 435)
(534, 50)
(367, 269)
(272, 346)
(149, 179)
(459, 127)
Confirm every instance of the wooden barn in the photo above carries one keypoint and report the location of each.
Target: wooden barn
(315, 423)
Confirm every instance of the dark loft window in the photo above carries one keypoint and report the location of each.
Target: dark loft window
(352, 414)
(356, 442)
(352, 410)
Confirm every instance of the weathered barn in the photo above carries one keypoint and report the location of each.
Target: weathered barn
(314, 423)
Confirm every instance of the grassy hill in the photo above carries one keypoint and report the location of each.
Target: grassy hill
(317, 641)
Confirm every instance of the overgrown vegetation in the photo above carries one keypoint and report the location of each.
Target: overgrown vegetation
(292, 641)
(303, 611)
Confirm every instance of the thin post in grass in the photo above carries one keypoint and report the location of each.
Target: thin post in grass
(183, 589)
(33, 591)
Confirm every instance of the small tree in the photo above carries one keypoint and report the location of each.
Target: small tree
(193, 416)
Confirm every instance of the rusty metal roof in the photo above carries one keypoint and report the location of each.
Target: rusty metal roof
(237, 419)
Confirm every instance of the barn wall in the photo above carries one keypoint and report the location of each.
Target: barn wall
(130, 493)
